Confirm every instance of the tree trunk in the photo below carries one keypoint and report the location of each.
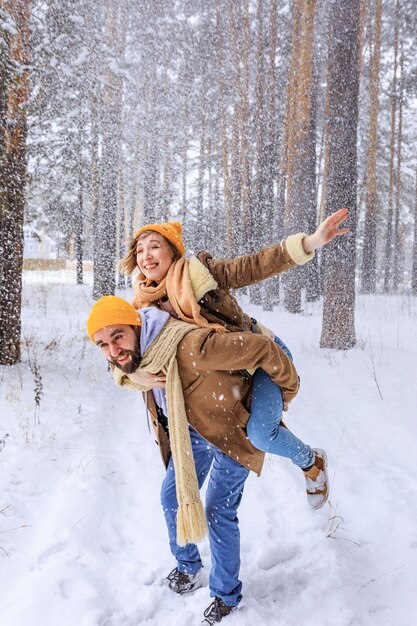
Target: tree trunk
(301, 193)
(184, 165)
(134, 186)
(245, 117)
(324, 147)
(14, 178)
(94, 174)
(210, 192)
(121, 239)
(368, 282)
(389, 244)
(79, 224)
(270, 287)
(131, 203)
(338, 328)
(218, 206)
(312, 270)
(235, 27)
(414, 270)
(398, 252)
(289, 148)
(270, 121)
(228, 200)
(152, 162)
(203, 228)
(258, 199)
(106, 219)
(362, 24)
(5, 73)
(166, 182)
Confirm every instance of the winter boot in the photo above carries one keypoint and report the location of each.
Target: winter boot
(184, 583)
(215, 612)
(317, 480)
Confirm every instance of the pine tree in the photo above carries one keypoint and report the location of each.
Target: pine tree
(228, 198)
(338, 328)
(301, 183)
(106, 218)
(398, 251)
(389, 242)
(414, 267)
(368, 283)
(14, 177)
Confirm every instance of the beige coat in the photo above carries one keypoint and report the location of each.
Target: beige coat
(217, 388)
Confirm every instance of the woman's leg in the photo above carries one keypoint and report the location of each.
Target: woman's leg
(284, 347)
(264, 426)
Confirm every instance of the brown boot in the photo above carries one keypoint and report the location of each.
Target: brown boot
(317, 480)
(215, 612)
(183, 583)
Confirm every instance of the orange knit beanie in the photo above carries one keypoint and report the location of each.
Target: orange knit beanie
(111, 310)
(170, 230)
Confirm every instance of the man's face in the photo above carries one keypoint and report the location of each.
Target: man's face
(120, 346)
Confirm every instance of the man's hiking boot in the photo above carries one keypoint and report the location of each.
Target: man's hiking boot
(184, 583)
(216, 611)
(317, 480)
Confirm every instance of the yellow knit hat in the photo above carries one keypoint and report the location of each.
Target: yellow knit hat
(170, 230)
(111, 310)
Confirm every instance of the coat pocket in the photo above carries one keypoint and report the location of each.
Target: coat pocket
(194, 385)
(241, 413)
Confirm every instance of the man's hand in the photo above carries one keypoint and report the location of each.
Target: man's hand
(327, 230)
(142, 377)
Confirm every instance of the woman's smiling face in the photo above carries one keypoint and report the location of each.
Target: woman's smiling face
(153, 256)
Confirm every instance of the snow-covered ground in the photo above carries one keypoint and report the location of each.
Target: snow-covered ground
(82, 536)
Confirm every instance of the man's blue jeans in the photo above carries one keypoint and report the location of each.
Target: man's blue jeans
(264, 426)
(224, 493)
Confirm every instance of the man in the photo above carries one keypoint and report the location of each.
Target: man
(199, 422)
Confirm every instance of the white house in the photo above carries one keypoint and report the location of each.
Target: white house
(38, 245)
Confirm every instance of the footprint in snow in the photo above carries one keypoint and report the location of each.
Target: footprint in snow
(281, 554)
(52, 551)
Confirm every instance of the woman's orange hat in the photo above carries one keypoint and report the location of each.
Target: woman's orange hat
(111, 310)
(170, 230)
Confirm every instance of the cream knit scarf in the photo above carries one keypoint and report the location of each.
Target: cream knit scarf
(161, 356)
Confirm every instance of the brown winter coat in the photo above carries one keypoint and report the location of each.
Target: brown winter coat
(217, 389)
(219, 305)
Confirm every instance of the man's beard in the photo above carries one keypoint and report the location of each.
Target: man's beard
(131, 365)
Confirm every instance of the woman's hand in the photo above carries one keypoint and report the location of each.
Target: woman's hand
(142, 377)
(326, 231)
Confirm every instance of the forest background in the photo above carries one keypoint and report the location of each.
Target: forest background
(246, 120)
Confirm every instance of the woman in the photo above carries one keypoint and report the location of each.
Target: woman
(197, 291)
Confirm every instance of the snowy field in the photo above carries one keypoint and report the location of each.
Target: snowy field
(82, 536)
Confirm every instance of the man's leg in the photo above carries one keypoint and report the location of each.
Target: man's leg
(188, 557)
(224, 493)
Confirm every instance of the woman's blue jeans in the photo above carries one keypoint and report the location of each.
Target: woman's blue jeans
(224, 493)
(264, 426)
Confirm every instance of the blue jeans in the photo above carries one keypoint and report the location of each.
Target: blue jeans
(264, 429)
(224, 493)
